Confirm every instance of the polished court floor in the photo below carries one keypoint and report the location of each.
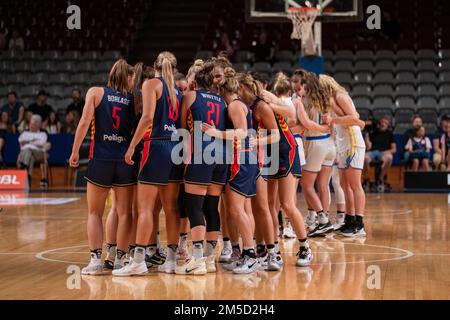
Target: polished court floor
(406, 255)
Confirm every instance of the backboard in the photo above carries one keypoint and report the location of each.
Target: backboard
(330, 10)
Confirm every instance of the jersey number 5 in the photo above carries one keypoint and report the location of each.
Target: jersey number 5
(116, 117)
(214, 108)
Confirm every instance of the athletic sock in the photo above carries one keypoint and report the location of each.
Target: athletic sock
(171, 253)
(131, 249)
(197, 250)
(236, 246)
(158, 245)
(120, 254)
(304, 243)
(96, 254)
(111, 249)
(260, 248)
(151, 249)
(249, 252)
(322, 217)
(312, 214)
(271, 248)
(139, 253)
(277, 249)
(210, 246)
(226, 243)
(183, 237)
(359, 220)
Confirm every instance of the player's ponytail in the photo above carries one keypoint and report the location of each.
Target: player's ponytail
(230, 83)
(195, 68)
(204, 77)
(166, 63)
(282, 85)
(118, 76)
(317, 98)
(258, 88)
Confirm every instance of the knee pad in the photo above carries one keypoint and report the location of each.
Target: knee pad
(211, 211)
(193, 206)
(181, 202)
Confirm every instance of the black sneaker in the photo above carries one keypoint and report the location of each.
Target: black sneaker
(347, 230)
(321, 229)
(108, 265)
(359, 230)
(156, 259)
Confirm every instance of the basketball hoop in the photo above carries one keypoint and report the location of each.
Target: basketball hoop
(302, 20)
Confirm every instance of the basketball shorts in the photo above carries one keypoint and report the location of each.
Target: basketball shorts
(111, 173)
(243, 177)
(206, 174)
(301, 150)
(157, 167)
(319, 151)
(353, 157)
(288, 162)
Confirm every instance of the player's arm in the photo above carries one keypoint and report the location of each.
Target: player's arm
(93, 98)
(238, 118)
(278, 107)
(268, 120)
(150, 90)
(306, 122)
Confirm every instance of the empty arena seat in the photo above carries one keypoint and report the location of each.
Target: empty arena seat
(383, 102)
(444, 77)
(427, 90)
(282, 66)
(384, 55)
(405, 102)
(285, 55)
(426, 54)
(204, 55)
(405, 90)
(92, 55)
(405, 65)
(379, 113)
(361, 89)
(444, 66)
(426, 65)
(44, 66)
(363, 76)
(262, 67)
(430, 128)
(242, 66)
(384, 65)
(344, 77)
(426, 77)
(428, 115)
(362, 102)
(342, 55)
(38, 77)
(444, 89)
(403, 115)
(343, 66)
(382, 90)
(365, 114)
(328, 55)
(383, 78)
(405, 55)
(51, 55)
(58, 78)
(401, 128)
(427, 102)
(55, 90)
(444, 54)
(364, 55)
(111, 55)
(405, 77)
(363, 66)
(71, 55)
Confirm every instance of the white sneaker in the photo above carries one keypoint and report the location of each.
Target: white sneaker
(94, 268)
(120, 263)
(131, 269)
(225, 255)
(272, 263)
(211, 264)
(191, 266)
(339, 221)
(310, 222)
(263, 260)
(279, 259)
(167, 267)
(233, 265)
(249, 265)
(288, 232)
(304, 257)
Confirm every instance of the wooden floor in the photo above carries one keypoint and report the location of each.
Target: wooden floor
(406, 255)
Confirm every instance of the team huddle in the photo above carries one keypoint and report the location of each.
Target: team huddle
(261, 143)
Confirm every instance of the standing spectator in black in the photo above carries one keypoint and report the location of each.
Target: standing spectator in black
(381, 148)
(14, 108)
(5, 128)
(40, 107)
(263, 49)
(439, 141)
(77, 102)
(16, 41)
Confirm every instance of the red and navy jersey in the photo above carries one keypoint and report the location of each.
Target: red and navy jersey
(167, 118)
(210, 108)
(250, 122)
(112, 126)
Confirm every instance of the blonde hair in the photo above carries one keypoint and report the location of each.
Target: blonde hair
(317, 98)
(221, 61)
(282, 85)
(330, 86)
(118, 76)
(196, 67)
(298, 75)
(248, 81)
(165, 64)
(230, 83)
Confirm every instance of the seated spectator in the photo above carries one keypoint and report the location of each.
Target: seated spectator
(34, 145)
(439, 161)
(52, 125)
(77, 102)
(263, 49)
(25, 123)
(444, 142)
(14, 107)
(225, 46)
(71, 122)
(16, 41)
(5, 128)
(181, 82)
(419, 148)
(40, 107)
(381, 148)
(416, 122)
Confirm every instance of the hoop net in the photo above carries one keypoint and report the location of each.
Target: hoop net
(302, 19)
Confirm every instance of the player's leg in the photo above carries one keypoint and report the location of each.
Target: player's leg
(339, 198)
(212, 218)
(111, 233)
(124, 199)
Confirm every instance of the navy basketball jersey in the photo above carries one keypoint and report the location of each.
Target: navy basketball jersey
(112, 125)
(210, 108)
(250, 126)
(167, 118)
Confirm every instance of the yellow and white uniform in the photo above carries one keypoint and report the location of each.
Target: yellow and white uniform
(319, 147)
(351, 147)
